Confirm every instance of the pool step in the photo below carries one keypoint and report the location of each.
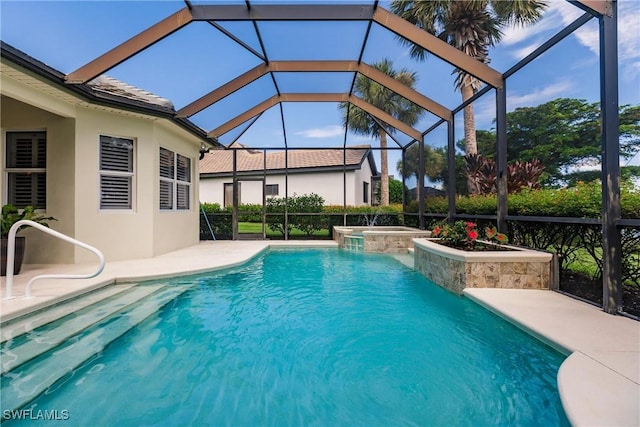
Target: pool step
(405, 258)
(26, 381)
(24, 324)
(24, 348)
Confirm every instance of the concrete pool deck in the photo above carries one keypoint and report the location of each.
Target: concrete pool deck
(599, 382)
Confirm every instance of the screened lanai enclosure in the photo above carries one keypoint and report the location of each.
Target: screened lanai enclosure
(275, 79)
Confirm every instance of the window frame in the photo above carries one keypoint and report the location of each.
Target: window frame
(115, 173)
(229, 185)
(8, 171)
(271, 186)
(175, 182)
(365, 191)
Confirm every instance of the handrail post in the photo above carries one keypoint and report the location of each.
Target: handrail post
(11, 256)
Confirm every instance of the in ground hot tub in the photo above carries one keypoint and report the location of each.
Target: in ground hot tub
(383, 239)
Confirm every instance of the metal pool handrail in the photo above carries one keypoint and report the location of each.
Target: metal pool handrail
(11, 249)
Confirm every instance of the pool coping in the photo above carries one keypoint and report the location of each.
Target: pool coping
(599, 383)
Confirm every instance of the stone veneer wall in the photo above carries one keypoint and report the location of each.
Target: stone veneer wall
(524, 269)
(391, 242)
(338, 236)
(381, 239)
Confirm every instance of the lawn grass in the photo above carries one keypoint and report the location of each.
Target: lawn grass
(256, 228)
(250, 227)
(584, 263)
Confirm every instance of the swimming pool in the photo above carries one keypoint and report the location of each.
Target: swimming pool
(315, 337)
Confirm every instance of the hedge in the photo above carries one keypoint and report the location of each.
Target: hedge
(582, 201)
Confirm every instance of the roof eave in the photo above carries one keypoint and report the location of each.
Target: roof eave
(281, 171)
(52, 75)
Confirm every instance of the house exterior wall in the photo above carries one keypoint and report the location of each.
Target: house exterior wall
(362, 175)
(329, 185)
(144, 231)
(18, 116)
(119, 234)
(73, 182)
(173, 230)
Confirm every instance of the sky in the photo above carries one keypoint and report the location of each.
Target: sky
(198, 58)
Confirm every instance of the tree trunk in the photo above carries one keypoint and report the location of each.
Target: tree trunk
(384, 170)
(470, 144)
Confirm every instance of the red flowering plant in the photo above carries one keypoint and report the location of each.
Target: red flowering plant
(464, 235)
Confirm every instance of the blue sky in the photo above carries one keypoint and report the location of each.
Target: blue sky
(199, 58)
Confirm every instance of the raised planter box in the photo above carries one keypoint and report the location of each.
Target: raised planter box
(378, 239)
(455, 269)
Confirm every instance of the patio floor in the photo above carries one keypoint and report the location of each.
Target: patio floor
(599, 382)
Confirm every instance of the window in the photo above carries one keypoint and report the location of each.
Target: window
(365, 192)
(26, 168)
(228, 193)
(272, 190)
(116, 173)
(175, 181)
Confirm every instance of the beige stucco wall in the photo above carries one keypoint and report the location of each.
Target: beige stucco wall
(211, 190)
(73, 129)
(18, 116)
(176, 229)
(143, 231)
(119, 234)
(362, 175)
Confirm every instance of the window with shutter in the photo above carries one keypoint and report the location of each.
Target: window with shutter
(26, 169)
(272, 190)
(175, 181)
(116, 173)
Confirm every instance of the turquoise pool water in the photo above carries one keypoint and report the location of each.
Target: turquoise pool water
(315, 338)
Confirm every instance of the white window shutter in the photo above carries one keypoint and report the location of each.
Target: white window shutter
(116, 173)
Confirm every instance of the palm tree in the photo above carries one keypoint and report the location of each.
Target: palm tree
(471, 26)
(388, 101)
(434, 161)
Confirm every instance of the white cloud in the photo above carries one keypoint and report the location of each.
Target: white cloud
(484, 111)
(566, 11)
(516, 34)
(562, 13)
(522, 52)
(325, 132)
(589, 36)
(485, 108)
(629, 31)
(558, 14)
(540, 95)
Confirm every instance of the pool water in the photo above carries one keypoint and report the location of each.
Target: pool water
(318, 337)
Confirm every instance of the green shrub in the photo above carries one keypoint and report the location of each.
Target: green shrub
(275, 215)
(210, 207)
(630, 201)
(304, 204)
(465, 234)
(307, 203)
(395, 191)
(367, 215)
(250, 213)
(581, 201)
(221, 224)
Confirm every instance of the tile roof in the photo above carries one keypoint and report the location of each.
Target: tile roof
(113, 86)
(221, 161)
(102, 90)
